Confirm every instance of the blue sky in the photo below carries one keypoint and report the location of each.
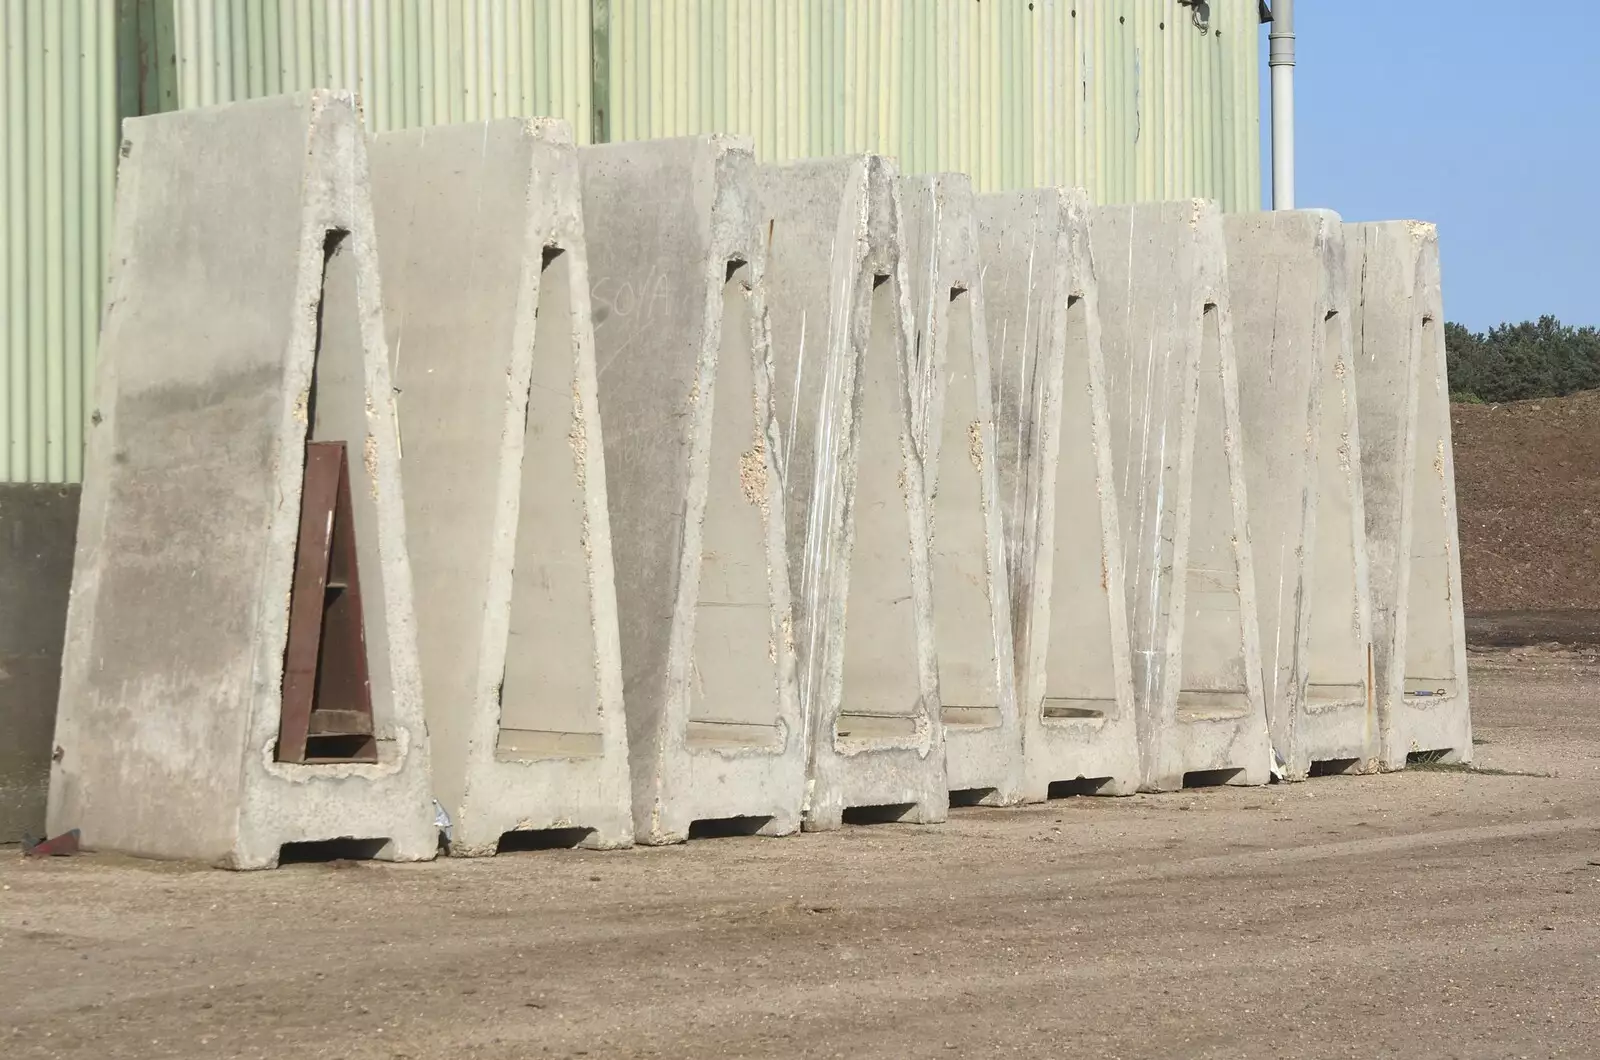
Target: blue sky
(1483, 117)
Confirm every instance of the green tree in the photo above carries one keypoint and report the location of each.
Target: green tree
(1512, 362)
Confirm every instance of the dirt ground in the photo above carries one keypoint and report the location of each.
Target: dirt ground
(1429, 914)
(1529, 504)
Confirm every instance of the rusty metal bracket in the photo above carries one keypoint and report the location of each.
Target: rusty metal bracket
(327, 694)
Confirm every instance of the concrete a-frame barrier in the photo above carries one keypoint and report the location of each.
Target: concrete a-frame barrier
(1408, 473)
(697, 507)
(242, 322)
(953, 420)
(486, 298)
(1298, 412)
(853, 487)
(1069, 608)
(1177, 458)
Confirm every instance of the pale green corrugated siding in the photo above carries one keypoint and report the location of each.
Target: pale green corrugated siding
(1124, 97)
(58, 122)
(1127, 98)
(413, 62)
(74, 67)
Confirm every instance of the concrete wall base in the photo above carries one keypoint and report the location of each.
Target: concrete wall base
(1069, 608)
(954, 428)
(1408, 472)
(696, 501)
(1179, 473)
(1297, 402)
(853, 480)
(242, 321)
(486, 295)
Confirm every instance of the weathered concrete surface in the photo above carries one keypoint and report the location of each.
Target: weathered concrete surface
(1178, 465)
(1069, 608)
(242, 320)
(1297, 407)
(675, 263)
(953, 419)
(38, 526)
(1408, 472)
(853, 486)
(486, 297)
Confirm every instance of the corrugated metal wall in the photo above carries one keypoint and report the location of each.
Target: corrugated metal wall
(1125, 97)
(413, 62)
(58, 128)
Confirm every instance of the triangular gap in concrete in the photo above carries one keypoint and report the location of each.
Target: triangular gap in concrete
(549, 699)
(738, 673)
(1084, 689)
(880, 681)
(968, 667)
(1215, 680)
(1341, 731)
(1430, 668)
(336, 411)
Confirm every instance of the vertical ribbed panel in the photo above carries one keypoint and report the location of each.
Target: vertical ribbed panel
(58, 128)
(413, 62)
(1128, 98)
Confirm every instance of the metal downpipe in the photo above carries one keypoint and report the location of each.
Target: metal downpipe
(1280, 61)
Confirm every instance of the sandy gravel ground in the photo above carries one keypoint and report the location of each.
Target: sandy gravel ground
(1429, 914)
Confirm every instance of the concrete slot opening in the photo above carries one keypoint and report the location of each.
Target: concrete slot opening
(967, 797)
(325, 710)
(880, 682)
(522, 840)
(968, 683)
(1066, 789)
(1423, 758)
(1337, 678)
(733, 687)
(1430, 658)
(877, 814)
(727, 827)
(1210, 778)
(1063, 710)
(1080, 680)
(1213, 681)
(321, 851)
(549, 699)
(1333, 767)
